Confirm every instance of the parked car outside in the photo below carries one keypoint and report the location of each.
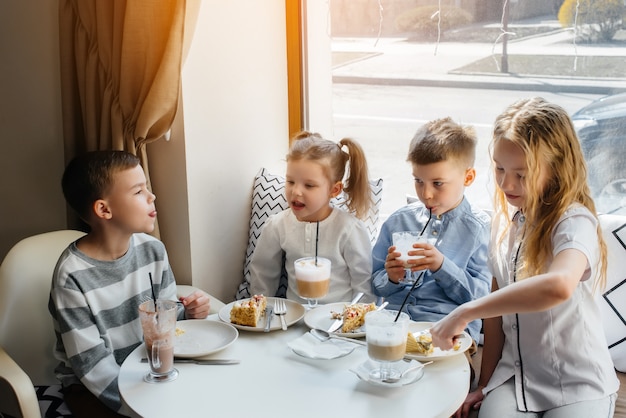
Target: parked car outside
(601, 127)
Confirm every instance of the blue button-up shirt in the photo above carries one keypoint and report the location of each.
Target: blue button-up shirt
(462, 236)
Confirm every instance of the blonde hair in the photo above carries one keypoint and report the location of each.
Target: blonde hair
(330, 155)
(545, 133)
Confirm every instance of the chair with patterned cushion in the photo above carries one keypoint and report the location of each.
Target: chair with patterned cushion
(613, 300)
(268, 198)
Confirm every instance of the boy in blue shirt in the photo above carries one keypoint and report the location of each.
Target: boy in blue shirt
(454, 266)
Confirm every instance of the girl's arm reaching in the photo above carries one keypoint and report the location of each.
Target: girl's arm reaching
(534, 294)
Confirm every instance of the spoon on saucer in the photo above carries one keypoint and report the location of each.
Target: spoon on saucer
(322, 335)
(404, 373)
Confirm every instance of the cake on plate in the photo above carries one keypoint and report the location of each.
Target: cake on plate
(423, 344)
(354, 316)
(248, 311)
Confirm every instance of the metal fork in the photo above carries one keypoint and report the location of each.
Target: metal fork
(280, 309)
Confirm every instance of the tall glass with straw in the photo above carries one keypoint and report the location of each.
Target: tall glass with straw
(158, 323)
(419, 279)
(313, 275)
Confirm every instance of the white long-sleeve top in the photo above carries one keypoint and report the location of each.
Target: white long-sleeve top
(343, 239)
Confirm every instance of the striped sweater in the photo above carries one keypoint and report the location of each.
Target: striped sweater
(94, 307)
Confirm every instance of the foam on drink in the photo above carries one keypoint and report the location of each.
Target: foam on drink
(312, 280)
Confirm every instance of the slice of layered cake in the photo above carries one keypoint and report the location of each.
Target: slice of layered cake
(423, 344)
(248, 311)
(354, 316)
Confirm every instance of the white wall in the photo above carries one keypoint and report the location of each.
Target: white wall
(235, 122)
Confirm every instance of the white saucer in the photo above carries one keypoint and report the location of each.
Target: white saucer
(364, 369)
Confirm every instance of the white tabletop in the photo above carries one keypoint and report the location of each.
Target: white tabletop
(272, 381)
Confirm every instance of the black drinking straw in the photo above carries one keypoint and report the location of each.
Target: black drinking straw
(152, 290)
(430, 213)
(317, 238)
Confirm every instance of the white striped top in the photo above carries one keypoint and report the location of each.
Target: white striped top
(94, 306)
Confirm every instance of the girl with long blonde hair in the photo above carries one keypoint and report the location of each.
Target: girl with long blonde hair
(545, 353)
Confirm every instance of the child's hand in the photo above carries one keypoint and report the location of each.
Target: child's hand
(393, 266)
(196, 305)
(432, 258)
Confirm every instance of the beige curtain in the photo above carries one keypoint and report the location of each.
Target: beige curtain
(121, 64)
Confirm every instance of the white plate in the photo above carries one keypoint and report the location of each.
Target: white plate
(438, 354)
(320, 317)
(363, 370)
(295, 312)
(202, 337)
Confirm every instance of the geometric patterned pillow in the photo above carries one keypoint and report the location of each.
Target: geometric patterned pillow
(51, 403)
(613, 301)
(268, 198)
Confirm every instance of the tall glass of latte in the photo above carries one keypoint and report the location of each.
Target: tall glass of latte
(312, 278)
(386, 341)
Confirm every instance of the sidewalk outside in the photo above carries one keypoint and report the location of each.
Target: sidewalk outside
(399, 62)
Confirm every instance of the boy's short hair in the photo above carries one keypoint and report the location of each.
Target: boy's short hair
(442, 140)
(89, 176)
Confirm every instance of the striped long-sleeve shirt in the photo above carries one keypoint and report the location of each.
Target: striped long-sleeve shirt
(94, 307)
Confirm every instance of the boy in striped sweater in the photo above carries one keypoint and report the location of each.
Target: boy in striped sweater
(101, 279)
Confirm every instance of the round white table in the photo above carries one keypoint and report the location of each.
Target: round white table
(272, 381)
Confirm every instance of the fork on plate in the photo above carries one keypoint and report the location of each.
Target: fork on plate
(280, 309)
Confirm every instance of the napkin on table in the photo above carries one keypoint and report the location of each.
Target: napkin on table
(309, 346)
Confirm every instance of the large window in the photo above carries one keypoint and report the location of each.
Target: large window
(399, 63)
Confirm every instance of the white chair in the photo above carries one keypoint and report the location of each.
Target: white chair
(17, 394)
(26, 333)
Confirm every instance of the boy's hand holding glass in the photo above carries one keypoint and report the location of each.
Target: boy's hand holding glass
(428, 257)
(414, 253)
(394, 266)
(405, 245)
